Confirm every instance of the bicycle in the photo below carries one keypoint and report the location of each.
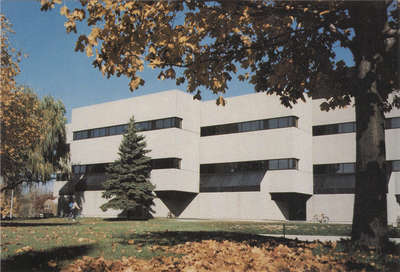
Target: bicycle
(321, 218)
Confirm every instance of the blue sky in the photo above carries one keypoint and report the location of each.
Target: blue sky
(54, 68)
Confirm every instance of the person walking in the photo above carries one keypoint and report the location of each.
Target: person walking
(74, 209)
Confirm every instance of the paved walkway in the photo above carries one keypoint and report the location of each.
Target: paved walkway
(320, 238)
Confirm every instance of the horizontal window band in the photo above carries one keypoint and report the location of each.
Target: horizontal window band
(349, 127)
(246, 166)
(162, 163)
(171, 122)
(230, 189)
(247, 126)
(340, 178)
(349, 168)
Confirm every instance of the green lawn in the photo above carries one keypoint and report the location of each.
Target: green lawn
(27, 244)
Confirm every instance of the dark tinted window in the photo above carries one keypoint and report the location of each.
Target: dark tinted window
(239, 176)
(283, 164)
(289, 121)
(347, 127)
(283, 122)
(166, 163)
(325, 130)
(121, 129)
(334, 168)
(392, 123)
(348, 168)
(232, 167)
(79, 169)
(101, 167)
(336, 178)
(273, 123)
(395, 165)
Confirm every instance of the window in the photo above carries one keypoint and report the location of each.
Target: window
(248, 166)
(348, 127)
(335, 178)
(283, 164)
(167, 123)
(283, 122)
(395, 166)
(239, 176)
(99, 168)
(289, 121)
(113, 131)
(391, 123)
(348, 168)
(273, 123)
(273, 165)
(143, 126)
(232, 176)
(335, 168)
(102, 132)
(293, 164)
(166, 163)
(158, 124)
(121, 129)
(84, 134)
(78, 169)
(251, 126)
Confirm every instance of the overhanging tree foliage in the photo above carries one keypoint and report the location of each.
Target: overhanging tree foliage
(284, 47)
(128, 178)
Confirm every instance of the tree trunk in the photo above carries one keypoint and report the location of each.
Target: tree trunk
(370, 204)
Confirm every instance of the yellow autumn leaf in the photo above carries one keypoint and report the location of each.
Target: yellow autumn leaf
(64, 10)
(24, 249)
(92, 38)
(134, 83)
(152, 50)
(89, 51)
(52, 263)
(324, 12)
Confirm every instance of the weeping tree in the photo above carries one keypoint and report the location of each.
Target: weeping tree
(287, 48)
(51, 155)
(128, 186)
(47, 154)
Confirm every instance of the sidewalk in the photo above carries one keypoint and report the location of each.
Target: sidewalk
(320, 238)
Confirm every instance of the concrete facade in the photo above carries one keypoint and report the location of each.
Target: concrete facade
(279, 193)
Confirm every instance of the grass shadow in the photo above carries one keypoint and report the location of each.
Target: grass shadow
(44, 224)
(118, 219)
(38, 260)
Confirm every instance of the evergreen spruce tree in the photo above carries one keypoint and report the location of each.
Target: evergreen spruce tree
(127, 185)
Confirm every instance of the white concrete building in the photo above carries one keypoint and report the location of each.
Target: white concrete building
(252, 159)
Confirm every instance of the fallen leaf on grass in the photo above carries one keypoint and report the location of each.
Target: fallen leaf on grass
(24, 249)
(212, 255)
(52, 263)
(80, 240)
